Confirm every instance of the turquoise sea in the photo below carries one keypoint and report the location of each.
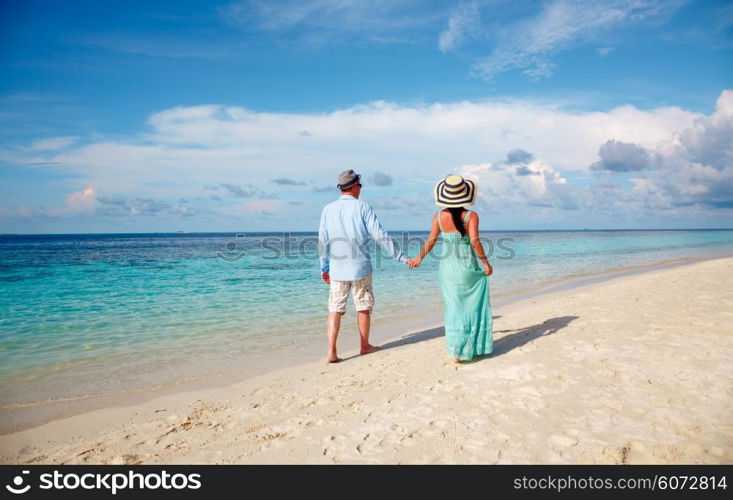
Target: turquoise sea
(92, 316)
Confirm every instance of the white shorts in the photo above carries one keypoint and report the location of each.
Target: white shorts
(362, 293)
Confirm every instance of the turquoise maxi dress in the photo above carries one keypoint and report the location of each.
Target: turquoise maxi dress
(465, 290)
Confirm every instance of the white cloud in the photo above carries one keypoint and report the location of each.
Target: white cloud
(518, 156)
(188, 151)
(210, 144)
(690, 172)
(319, 21)
(692, 169)
(527, 43)
(83, 201)
(52, 143)
(710, 140)
(620, 156)
(696, 167)
(381, 131)
(504, 189)
(463, 22)
(262, 206)
(116, 206)
(530, 43)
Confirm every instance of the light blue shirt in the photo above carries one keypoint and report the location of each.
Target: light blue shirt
(346, 226)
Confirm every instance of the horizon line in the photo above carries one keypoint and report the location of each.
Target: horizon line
(393, 231)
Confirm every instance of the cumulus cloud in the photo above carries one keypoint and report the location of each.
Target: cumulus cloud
(184, 149)
(710, 140)
(230, 139)
(689, 172)
(381, 179)
(693, 168)
(284, 181)
(618, 156)
(113, 201)
(117, 206)
(148, 206)
(239, 191)
(697, 167)
(542, 187)
(518, 156)
(83, 201)
(524, 170)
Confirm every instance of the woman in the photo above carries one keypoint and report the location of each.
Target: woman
(463, 283)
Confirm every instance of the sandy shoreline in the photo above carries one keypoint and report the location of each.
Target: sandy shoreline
(633, 370)
(388, 325)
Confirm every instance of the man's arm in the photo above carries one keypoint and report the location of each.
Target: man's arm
(379, 235)
(323, 247)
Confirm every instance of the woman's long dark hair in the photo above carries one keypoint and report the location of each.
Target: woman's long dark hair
(456, 213)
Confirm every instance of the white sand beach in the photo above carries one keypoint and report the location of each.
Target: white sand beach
(637, 369)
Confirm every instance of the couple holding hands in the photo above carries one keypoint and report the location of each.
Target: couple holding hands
(347, 223)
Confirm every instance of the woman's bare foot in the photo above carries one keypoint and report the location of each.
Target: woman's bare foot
(369, 349)
(333, 359)
(457, 361)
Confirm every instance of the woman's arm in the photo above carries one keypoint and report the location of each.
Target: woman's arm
(476, 243)
(429, 243)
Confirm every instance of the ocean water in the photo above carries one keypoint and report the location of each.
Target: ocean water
(85, 316)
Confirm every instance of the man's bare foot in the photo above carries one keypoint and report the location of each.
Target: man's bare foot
(369, 349)
(333, 359)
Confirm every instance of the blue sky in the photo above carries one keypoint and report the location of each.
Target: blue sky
(238, 116)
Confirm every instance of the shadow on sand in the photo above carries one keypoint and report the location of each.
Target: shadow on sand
(501, 346)
(416, 337)
(528, 334)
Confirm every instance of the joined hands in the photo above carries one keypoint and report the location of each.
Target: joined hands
(413, 263)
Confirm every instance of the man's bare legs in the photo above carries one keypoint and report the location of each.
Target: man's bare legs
(364, 325)
(333, 323)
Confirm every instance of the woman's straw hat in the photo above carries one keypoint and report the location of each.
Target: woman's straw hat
(455, 191)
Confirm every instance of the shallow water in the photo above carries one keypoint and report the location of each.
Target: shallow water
(91, 315)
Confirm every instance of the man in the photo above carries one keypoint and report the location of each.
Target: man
(346, 226)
